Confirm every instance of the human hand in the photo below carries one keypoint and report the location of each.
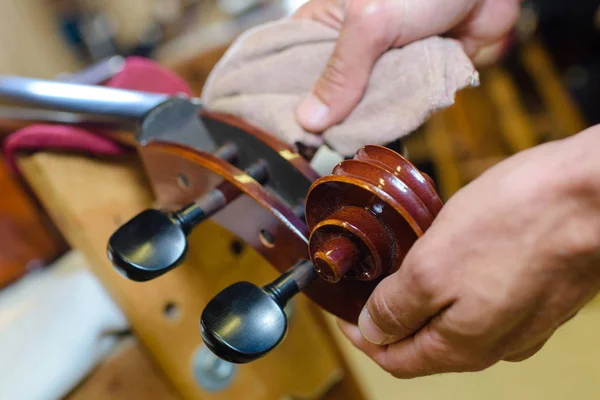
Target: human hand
(368, 28)
(508, 260)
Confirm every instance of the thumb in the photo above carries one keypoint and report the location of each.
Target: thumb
(344, 80)
(399, 306)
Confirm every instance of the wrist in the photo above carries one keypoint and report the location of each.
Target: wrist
(582, 163)
(580, 185)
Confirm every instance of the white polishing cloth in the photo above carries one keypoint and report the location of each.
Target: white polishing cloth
(55, 326)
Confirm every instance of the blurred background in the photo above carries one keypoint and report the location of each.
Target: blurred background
(542, 84)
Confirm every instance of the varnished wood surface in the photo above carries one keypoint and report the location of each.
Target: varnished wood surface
(366, 216)
(128, 373)
(512, 118)
(568, 119)
(88, 199)
(439, 134)
(27, 239)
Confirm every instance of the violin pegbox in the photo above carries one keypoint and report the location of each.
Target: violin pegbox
(358, 224)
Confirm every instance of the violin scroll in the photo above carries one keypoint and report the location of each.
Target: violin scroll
(365, 217)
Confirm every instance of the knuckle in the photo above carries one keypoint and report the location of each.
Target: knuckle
(483, 316)
(368, 10)
(305, 11)
(373, 17)
(424, 271)
(583, 240)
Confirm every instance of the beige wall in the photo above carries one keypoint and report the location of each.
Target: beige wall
(29, 42)
(132, 17)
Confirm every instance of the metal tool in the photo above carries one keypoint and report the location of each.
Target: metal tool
(152, 116)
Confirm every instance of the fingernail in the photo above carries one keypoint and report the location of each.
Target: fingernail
(369, 330)
(312, 113)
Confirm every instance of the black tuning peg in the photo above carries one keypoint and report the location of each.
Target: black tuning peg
(154, 241)
(245, 322)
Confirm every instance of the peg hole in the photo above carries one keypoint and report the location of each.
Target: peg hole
(236, 247)
(183, 181)
(267, 238)
(171, 311)
(118, 220)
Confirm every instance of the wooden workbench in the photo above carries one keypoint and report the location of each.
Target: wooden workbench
(89, 198)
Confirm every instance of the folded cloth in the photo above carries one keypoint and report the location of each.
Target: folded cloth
(270, 68)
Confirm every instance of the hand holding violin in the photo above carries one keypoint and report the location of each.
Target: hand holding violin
(509, 259)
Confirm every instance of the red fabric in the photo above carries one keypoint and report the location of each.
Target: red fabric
(137, 74)
(147, 76)
(58, 137)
